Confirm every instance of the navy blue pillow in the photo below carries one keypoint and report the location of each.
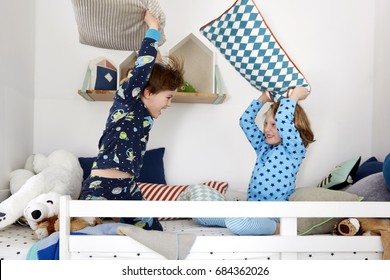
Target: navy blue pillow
(370, 166)
(386, 170)
(86, 165)
(152, 170)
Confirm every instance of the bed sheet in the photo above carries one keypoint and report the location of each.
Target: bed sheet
(15, 241)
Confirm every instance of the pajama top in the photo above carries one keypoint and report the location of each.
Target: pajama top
(123, 142)
(273, 177)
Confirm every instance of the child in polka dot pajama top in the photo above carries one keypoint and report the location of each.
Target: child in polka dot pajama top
(148, 89)
(280, 151)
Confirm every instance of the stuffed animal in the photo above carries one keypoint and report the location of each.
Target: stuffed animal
(347, 227)
(60, 173)
(366, 226)
(42, 207)
(51, 224)
(42, 213)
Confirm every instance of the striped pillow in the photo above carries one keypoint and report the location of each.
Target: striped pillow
(115, 24)
(159, 192)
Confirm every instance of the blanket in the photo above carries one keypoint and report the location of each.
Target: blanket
(170, 245)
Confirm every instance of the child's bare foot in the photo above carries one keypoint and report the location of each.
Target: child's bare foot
(277, 230)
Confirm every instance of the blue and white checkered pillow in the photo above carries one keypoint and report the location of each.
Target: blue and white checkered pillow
(246, 41)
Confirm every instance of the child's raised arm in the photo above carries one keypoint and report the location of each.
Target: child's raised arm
(264, 97)
(151, 21)
(299, 93)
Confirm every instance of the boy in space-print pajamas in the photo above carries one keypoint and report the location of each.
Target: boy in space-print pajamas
(126, 134)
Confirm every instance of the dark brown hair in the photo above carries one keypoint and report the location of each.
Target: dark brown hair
(166, 75)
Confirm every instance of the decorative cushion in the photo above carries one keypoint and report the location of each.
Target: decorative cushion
(115, 24)
(200, 193)
(161, 192)
(319, 225)
(171, 193)
(386, 170)
(341, 175)
(244, 38)
(152, 170)
(86, 164)
(370, 166)
(164, 192)
(372, 188)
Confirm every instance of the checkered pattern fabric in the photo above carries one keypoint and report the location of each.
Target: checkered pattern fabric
(246, 41)
(200, 193)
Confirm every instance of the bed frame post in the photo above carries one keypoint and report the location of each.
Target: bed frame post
(288, 227)
(64, 227)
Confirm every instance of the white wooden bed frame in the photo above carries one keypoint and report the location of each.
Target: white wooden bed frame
(287, 245)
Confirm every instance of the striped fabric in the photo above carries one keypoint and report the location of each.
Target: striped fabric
(159, 192)
(219, 186)
(115, 24)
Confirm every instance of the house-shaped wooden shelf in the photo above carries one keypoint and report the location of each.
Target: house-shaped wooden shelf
(199, 71)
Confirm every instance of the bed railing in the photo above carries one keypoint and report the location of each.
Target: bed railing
(287, 243)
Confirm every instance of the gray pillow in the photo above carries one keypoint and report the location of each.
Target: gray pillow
(320, 225)
(372, 188)
(115, 24)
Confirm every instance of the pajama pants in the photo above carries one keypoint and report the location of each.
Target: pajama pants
(101, 188)
(243, 226)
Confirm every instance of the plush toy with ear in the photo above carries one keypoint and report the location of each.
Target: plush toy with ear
(51, 224)
(60, 172)
(366, 226)
(347, 227)
(42, 207)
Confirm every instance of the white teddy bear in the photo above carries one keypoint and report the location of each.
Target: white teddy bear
(58, 173)
(42, 212)
(43, 206)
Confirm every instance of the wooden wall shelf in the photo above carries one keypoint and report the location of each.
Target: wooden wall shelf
(180, 97)
(199, 70)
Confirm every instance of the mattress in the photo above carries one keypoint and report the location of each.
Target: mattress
(16, 240)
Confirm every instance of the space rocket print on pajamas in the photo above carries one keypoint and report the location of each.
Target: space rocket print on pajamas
(123, 143)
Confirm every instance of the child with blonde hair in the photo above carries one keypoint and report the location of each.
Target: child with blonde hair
(280, 149)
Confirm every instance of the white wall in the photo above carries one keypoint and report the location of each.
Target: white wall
(381, 112)
(16, 86)
(332, 42)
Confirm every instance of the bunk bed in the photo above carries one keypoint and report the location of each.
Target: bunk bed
(286, 245)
